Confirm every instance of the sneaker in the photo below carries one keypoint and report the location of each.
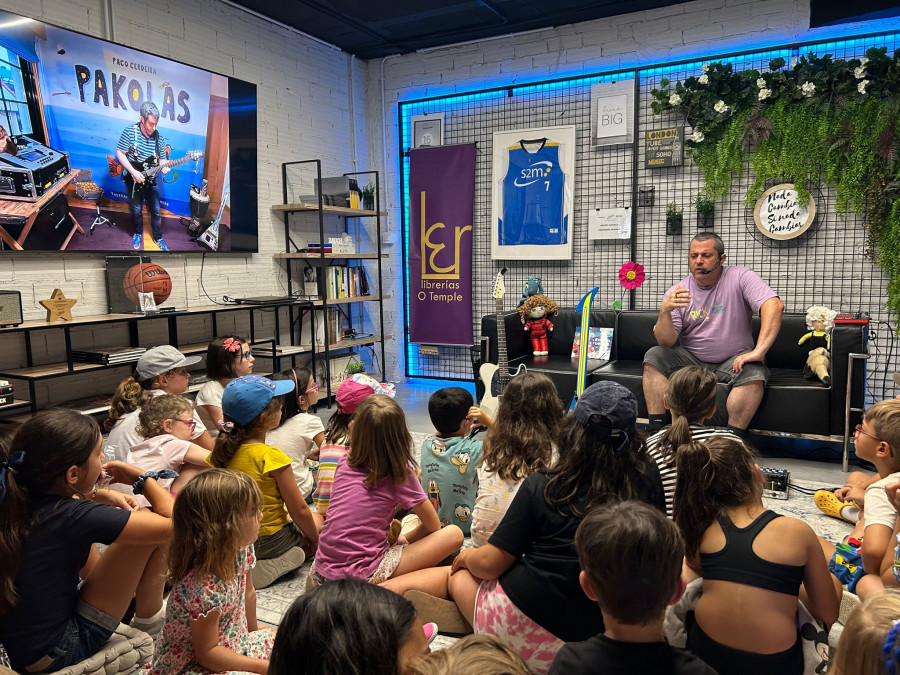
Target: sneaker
(431, 631)
(162, 245)
(136, 242)
(267, 571)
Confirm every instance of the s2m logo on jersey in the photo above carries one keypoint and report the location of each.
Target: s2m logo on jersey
(533, 174)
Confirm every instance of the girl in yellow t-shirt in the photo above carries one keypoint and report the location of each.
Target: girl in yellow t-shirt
(287, 533)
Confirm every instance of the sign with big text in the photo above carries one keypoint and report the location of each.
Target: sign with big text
(612, 113)
(779, 215)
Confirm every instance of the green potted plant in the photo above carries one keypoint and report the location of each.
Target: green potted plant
(354, 367)
(368, 197)
(706, 207)
(674, 218)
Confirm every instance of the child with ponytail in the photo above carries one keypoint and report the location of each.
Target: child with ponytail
(752, 561)
(160, 370)
(691, 399)
(251, 407)
(227, 357)
(51, 515)
(211, 614)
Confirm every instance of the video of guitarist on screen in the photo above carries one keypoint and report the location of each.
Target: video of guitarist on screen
(109, 148)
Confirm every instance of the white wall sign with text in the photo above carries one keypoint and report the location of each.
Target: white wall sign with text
(778, 214)
(612, 113)
(427, 130)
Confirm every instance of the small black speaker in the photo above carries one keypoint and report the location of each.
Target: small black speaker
(10, 308)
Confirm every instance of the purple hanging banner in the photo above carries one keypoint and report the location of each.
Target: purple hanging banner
(441, 207)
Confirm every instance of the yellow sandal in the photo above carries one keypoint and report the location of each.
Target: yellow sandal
(830, 505)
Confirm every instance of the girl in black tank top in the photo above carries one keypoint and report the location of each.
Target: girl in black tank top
(753, 616)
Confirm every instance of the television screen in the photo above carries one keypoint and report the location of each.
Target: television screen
(108, 148)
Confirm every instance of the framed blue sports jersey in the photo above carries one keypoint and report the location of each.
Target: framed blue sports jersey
(532, 201)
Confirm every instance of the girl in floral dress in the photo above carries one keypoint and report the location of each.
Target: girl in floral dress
(211, 616)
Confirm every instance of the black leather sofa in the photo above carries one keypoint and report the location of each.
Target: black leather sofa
(791, 403)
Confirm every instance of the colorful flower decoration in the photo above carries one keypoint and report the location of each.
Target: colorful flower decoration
(631, 275)
(231, 345)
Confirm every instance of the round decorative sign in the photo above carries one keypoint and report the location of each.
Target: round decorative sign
(778, 215)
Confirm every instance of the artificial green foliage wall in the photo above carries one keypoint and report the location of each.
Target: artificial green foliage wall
(813, 119)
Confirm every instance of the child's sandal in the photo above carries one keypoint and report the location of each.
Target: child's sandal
(830, 505)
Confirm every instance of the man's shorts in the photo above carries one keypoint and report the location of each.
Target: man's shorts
(669, 359)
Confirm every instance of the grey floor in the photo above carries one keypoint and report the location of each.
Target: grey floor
(817, 461)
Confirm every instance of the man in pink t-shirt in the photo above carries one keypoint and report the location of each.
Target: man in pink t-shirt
(708, 313)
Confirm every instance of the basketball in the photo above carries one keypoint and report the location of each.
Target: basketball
(147, 278)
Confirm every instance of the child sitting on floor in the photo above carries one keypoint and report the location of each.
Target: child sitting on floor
(349, 395)
(348, 627)
(378, 475)
(167, 422)
(857, 562)
(870, 641)
(631, 557)
(300, 434)
(211, 614)
(753, 562)
(520, 442)
(451, 456)
(287, 536)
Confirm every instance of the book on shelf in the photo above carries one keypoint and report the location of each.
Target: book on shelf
(108, 355)
(317, 317)
(336, 282)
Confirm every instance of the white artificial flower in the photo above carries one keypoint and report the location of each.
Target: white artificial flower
(761, 83)
(704, 67)
(703, 79)
(764, 94)
(863, 61)
(808, 88)
(697, 136)
(860, 72)
(674, 99)
(720, 107)
(794, 62)
(861, 87)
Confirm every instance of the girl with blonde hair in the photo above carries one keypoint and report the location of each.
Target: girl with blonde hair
(211, 615)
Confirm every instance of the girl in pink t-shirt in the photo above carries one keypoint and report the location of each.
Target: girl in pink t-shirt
(167, 423)
(377, 477)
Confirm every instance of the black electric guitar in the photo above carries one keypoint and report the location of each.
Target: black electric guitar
(151, 166)
(496, 377)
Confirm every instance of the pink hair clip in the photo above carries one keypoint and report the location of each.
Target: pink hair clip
(231, 345)
(225, 427)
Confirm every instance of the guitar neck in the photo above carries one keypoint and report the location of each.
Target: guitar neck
(152, 171)
(502, 358)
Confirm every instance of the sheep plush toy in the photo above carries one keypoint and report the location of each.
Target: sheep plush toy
(820, 321)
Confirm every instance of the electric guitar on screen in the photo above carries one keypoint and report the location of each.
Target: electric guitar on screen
(496, 377)
(150, 167)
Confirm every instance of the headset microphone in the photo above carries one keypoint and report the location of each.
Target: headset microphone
(713, 268)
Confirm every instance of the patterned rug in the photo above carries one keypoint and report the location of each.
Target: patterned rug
(272, 602)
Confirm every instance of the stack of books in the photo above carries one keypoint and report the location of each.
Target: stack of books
(108, 356)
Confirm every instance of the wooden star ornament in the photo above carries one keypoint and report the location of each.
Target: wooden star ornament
(58, 306)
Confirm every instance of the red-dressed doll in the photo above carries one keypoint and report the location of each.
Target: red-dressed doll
(534, 315)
